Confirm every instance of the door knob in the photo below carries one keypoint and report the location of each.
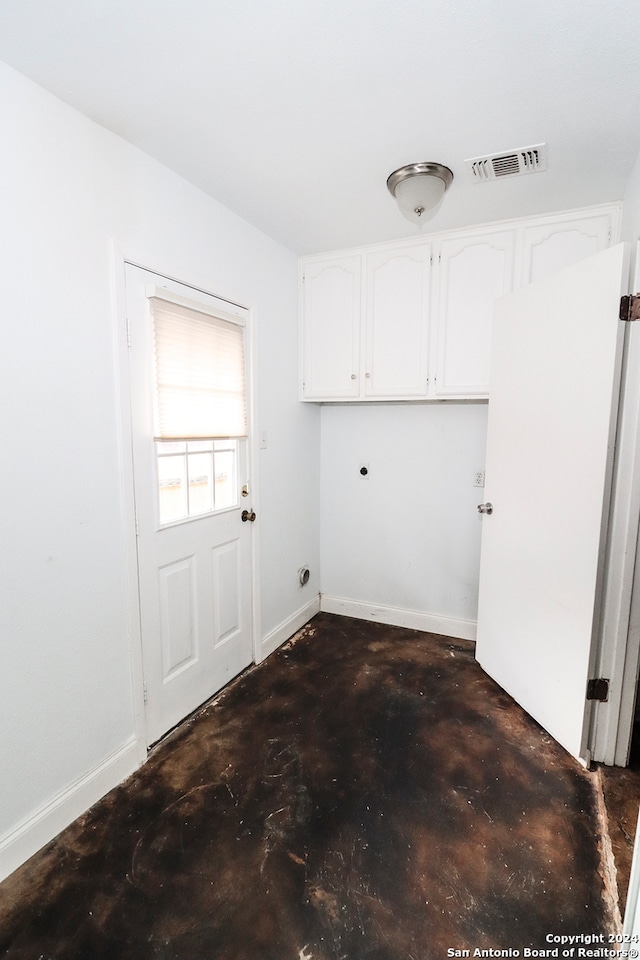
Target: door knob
(248, 515)
(485, 508)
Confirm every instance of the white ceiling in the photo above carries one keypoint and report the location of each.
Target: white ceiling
(294, 112)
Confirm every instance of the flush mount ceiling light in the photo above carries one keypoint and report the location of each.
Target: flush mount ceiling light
(418, 188)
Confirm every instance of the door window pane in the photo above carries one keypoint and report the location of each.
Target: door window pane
(200, 467)
(196, 445)
(196, 478)
(172, 488)
(174, 446)
(226, 486)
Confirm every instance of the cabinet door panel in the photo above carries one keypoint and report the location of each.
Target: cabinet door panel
(474, 272)
(397, 321)
(551, 247)
(331, 333)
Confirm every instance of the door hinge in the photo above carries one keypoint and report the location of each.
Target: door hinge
(128, 332)
(598, 689)
(137, 525)
(144, 691)
(630, 308)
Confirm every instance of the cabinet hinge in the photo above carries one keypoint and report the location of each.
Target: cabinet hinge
(144, 691)
(128, 332)
(598, 689)
(630, 308)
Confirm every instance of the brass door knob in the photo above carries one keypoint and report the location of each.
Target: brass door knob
(248, 515)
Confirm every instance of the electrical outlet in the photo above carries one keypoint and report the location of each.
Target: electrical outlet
(478, 478)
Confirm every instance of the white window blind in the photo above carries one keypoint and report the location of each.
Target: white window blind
(200, 382)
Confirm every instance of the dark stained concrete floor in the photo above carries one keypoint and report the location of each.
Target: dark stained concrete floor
(367, 793)
(621, 792)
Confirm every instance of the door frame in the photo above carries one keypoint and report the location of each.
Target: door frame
(179, 274)
(618, 657)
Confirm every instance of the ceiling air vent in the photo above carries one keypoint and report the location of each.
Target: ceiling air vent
(513, 163)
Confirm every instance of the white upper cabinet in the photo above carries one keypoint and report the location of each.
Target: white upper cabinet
(473, 272)
(331, 297)
(551, 246)
(396, 322)
(365, 330)
(412, 320)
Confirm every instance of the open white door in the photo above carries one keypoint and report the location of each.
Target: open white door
(553, 401)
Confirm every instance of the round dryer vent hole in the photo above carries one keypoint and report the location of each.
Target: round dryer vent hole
(303, 576)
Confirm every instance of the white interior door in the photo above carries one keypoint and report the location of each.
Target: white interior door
(194, 550)
(553, 400)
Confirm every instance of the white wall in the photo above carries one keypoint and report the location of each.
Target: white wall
(630, 225)
(408, 536)
(68, 186)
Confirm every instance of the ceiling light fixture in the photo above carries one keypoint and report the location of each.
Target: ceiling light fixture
(418, 188)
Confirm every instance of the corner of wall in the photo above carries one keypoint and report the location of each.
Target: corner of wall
(288, 627)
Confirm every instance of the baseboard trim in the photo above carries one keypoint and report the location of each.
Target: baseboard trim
(291, 625)
(29, 836)
(398, 617)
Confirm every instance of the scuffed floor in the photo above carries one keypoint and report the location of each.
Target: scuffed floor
(621, 792)
(367, 793)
